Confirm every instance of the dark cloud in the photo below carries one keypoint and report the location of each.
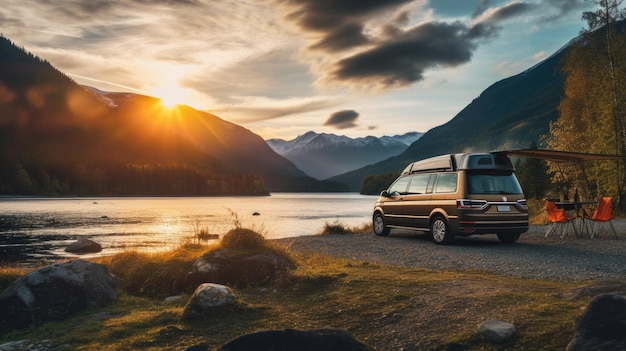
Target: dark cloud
(327, 15)
(403, 61)
(342, 119)
(344, 37)
(395, 55)
(340, 23)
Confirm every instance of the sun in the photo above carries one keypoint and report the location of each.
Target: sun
(171, 95)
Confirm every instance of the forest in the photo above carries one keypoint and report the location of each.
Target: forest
(124, 180)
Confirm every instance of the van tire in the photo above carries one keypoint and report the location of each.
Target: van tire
(380, 228)
(508, 238)
(439, 231)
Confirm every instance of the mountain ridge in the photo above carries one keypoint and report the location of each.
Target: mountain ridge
(323, 155)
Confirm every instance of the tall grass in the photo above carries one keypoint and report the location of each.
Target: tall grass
(337, 227)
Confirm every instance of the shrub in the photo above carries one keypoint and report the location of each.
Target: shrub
(243, 239)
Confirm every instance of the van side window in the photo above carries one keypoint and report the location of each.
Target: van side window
(418, 183)
(446, 183)
(399, 186)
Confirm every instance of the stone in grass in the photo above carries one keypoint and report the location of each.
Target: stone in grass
(497, 330)
(602, 325)
(55, 292)
(83, 246)
(207, 296)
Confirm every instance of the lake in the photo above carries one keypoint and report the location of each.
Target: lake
(40, 228)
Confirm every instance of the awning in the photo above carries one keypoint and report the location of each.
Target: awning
(559, 156)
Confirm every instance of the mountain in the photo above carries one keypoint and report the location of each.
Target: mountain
(60, 138)
(325, 155)
(512, 113)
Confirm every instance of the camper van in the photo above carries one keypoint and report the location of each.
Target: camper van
(455, 195)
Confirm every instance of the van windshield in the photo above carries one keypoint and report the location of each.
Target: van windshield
(493, 183)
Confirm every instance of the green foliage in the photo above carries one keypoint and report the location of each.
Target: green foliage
(592, 115)
(375, 183)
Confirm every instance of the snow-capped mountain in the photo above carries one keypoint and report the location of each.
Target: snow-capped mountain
(326, 155)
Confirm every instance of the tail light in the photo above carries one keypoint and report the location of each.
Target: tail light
(467, 204)
(522, 204)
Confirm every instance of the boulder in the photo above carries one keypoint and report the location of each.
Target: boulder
(207, 296)
(292, 339)
(84, 245)
(602, 325)
(54, 293)
(239, 268)
(497, 330)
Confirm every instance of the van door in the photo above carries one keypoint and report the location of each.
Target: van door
(417, 201)
(394, 202)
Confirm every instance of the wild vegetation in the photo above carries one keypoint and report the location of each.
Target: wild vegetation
(385, 307)
(592, 117)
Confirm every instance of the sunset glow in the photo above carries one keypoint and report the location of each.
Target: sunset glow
(171, 95)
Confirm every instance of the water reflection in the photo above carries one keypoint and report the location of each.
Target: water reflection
(40, 228)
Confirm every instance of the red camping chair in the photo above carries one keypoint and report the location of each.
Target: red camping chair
(558, 218)
(603, 214)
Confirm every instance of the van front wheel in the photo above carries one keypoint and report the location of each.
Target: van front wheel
(439, 231)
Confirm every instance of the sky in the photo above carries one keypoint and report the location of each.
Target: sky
(281, 68)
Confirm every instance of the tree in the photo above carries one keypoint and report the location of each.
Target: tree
(591, 114)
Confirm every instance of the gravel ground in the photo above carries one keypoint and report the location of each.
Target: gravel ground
(532, 256)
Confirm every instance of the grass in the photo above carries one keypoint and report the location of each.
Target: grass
(337, 227)
(385, 307)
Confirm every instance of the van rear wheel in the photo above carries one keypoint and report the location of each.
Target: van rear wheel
(508, 238)
(439, 231)
(380, 228)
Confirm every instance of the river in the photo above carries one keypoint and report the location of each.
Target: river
(41, 228)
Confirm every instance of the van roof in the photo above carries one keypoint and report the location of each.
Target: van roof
(462, 161)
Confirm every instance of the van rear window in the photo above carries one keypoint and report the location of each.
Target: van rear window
(493, 183)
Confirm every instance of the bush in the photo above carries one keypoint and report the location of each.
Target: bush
(243, 239)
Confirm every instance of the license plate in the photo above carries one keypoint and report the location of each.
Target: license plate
(504, 208)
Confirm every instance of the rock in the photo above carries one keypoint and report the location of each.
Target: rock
(172, 299)
(602, 325)
(207, 296)
(497, 330)
(84, 245)
(256, 214)
(292, 339)
(54, 293)
(239, 268)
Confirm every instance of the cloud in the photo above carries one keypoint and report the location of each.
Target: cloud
(403, 60)
(499, 14)
(336, 25)
(256, 108)
(342, 119)
(373, 45)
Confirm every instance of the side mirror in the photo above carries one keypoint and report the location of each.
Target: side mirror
(384, 193)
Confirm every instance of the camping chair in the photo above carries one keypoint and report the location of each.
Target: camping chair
(558, 218)
(603, 214)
